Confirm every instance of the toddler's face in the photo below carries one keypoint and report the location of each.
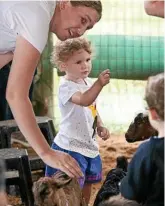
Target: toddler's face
(79, 65)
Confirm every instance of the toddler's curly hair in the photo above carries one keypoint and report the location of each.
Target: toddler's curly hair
(65, 49)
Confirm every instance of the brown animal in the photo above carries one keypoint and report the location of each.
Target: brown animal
(140, 129)
(58, 190)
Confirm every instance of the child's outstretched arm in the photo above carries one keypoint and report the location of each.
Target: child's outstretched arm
(87, 98)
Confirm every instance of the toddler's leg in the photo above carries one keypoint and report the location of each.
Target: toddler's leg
(87, 192)
(93, 175)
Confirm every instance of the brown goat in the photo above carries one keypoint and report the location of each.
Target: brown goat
(140, 129)
(58, 190)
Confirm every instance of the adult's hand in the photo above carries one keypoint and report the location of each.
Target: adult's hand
(62, 161)
(154, 8)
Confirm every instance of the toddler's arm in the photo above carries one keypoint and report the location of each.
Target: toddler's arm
(87, 98)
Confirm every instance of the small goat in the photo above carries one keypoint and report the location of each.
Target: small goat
(140, 129)
(110, 186)
(58, 190)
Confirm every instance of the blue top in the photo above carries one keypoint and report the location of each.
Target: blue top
(144, 181)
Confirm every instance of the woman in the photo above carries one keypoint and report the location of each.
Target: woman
(24, 28)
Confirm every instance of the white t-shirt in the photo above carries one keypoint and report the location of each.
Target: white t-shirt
(77, 131)
(30, 19)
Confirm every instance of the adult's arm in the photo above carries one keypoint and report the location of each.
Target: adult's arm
(25, 60)
(154, 8)
(5, 59)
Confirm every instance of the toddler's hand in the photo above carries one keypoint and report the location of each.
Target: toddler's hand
(104, 77)
(103, 133)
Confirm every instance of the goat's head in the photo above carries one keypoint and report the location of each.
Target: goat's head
(122, 163)
(58, 190)
(140, 129)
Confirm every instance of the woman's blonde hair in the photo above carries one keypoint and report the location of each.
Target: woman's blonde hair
(96, 5)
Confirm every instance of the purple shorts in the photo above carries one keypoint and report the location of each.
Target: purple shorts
(91, 167)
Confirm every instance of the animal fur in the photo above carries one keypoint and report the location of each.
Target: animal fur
(140, 129)
(58, 190)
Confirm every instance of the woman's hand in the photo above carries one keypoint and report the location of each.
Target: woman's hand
(62, 161)
(154, 8)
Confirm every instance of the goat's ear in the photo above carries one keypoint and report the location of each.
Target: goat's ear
(63, 182)
(61, 179)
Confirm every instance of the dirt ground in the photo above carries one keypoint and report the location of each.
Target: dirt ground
(109, 150)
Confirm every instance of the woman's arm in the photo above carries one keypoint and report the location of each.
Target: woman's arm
(5, 59)
(25, 60)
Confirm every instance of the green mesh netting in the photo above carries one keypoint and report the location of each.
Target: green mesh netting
(128, 57)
